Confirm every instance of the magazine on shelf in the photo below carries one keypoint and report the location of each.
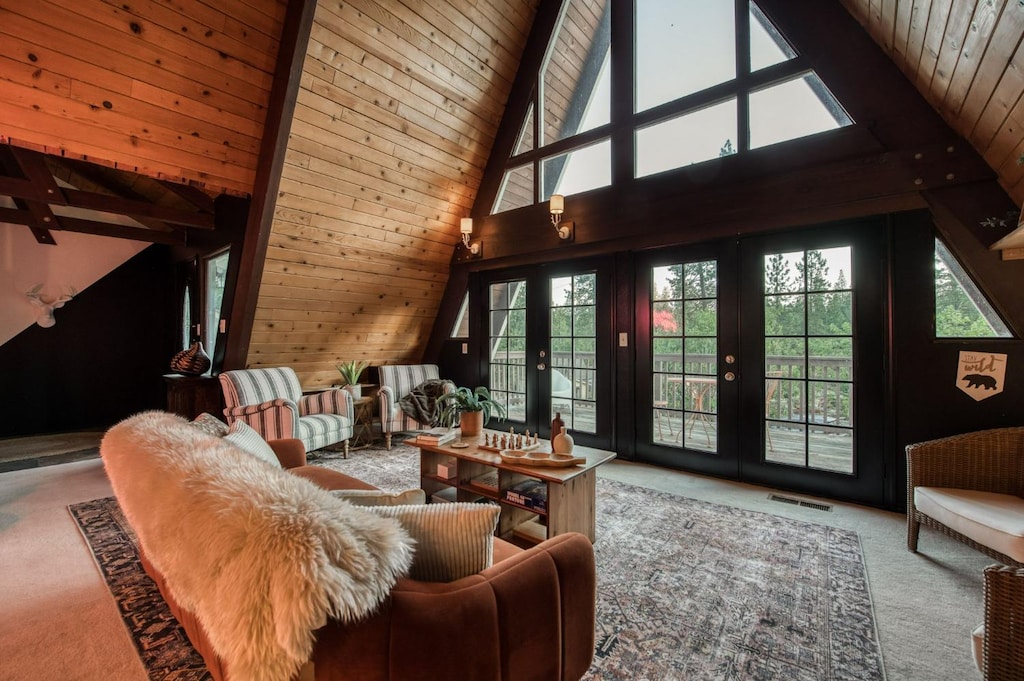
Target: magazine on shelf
(532, 494)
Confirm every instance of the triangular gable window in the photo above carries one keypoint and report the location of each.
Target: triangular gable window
(961, 309)
(708, 79)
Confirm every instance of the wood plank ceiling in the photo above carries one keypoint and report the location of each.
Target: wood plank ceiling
(966, 58)
(397, 111)
(398, 108)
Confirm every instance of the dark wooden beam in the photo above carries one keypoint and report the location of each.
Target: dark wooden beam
(197, 197)
(138, 209)
(33, 166)
(68, 224)
(283, 95)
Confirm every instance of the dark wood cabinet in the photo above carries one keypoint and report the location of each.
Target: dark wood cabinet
(189, 396)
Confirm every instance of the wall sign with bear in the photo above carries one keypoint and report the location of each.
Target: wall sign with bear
(981, 374)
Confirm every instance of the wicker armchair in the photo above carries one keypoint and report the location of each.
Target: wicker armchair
(1003, 658)
(989, 461)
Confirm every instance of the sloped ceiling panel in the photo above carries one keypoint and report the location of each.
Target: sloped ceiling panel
(397, 112)
(171, 90)
(966, 59)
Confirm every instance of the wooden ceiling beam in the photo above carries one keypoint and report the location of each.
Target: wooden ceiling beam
(174, 238)
(137, 209)
(33, 167)
(197, 197)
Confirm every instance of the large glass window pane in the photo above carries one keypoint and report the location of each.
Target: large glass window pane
(577, 171)
(575, 83)
(793, 109)
(688, 139)
(682, 47)
(216, 275)
(961, 309)
(573, 351)
(516, 189)
(507, 378)
(767, 46)
(525, 142)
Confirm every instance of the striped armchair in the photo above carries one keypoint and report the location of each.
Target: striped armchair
(271, 401)
(397, 381)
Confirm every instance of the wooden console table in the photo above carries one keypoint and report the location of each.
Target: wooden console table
(571, 491)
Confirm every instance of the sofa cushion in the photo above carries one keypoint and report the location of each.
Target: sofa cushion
(209, 423)
(376, 497)
(452, 540)
(242, 435)
(262, 557)
(994, 520)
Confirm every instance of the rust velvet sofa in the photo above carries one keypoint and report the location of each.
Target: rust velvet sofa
(530, 616)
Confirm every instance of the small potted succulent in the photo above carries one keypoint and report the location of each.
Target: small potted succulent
(471, 409)
(350, 373)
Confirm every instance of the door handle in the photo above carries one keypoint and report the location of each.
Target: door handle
(542, 366)
(730, 376)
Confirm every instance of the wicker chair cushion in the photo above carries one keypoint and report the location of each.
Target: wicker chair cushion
(994, 520)
(978, 646)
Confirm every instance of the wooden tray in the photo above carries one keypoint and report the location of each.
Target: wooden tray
(525, 458)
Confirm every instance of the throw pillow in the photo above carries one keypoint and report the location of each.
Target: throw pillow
(376, 497)
(208, 423)
(248, 440)
(452, 540)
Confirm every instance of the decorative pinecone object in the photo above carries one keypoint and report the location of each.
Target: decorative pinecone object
(191, 361)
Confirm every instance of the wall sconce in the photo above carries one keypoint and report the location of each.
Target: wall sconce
(566, 230)
(465, 229)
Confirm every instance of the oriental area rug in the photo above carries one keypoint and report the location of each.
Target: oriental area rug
(687, 590)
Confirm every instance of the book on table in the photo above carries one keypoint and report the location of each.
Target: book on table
(437, 436)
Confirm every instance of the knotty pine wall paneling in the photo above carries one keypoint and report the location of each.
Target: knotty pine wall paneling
(396, 115)
(171, 90)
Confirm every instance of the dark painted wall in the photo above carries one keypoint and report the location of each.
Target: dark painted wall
(101, 362)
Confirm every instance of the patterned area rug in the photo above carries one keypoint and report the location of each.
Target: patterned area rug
(686, 589)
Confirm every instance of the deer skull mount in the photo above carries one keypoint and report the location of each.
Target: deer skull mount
(46, 306)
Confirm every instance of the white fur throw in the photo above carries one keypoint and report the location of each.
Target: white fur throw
(262, 557)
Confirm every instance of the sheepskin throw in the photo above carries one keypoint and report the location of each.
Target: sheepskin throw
(262, 558)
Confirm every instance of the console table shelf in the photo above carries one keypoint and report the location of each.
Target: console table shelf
(570, 491)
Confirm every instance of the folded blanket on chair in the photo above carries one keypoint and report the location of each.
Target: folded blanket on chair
(421, 402)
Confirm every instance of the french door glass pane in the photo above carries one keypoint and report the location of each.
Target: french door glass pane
(573, 336)
(507, 335)
(808, 370)
(684, 330)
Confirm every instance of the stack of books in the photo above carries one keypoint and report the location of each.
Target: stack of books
(532, 494)
(436, 437)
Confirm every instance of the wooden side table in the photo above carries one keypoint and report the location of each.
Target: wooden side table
(362, 429)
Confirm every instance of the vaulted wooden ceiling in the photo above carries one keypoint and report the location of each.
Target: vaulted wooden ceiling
(966, 58)
(397, 111)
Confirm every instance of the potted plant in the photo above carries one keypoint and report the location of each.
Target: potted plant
(350, 372)
(471, 409)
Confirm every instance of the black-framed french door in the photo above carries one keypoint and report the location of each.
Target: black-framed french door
(762, 359)
(546, 348)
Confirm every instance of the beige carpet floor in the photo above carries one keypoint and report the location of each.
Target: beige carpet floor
(58, 621)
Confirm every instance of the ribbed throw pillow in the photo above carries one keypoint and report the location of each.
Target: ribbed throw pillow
(452, 540)
(248, 440)
(376, 497)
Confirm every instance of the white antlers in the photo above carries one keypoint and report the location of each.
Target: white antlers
(45, 317)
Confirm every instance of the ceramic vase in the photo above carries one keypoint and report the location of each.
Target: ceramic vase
(192, 361)
(353, 389)
(562, 443)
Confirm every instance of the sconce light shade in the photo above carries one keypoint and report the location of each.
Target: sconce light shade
(566, 231)
(557, 204)
(465, 229)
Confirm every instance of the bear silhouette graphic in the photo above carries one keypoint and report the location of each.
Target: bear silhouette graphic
(978, 380)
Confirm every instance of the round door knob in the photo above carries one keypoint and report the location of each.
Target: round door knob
(541, 366)
(730, 359)
(543, 354)
(730, 376)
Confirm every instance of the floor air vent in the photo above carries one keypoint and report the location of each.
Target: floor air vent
(799, 502)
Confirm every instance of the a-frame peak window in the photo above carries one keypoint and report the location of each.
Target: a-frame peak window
(706, 79)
